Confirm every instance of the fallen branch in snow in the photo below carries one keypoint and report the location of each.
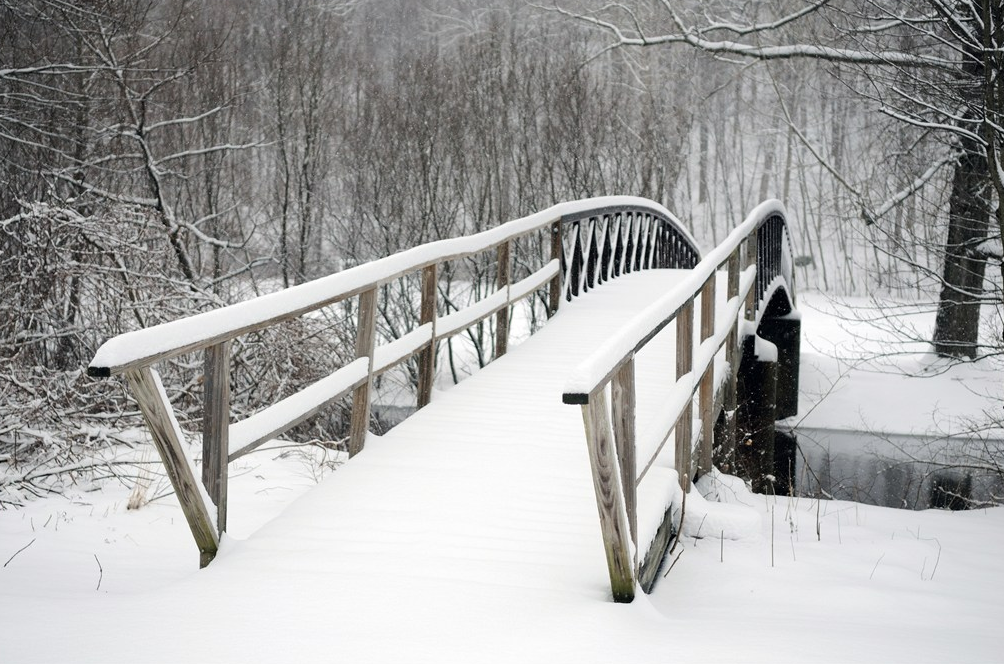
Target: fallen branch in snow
(19, 551)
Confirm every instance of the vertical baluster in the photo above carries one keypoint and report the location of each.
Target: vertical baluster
(732, 359)
(504, 273)
(554, 290)
(684, 365)
(622, 394)
(707, 391)
(365, 342)
(216, 428)
(751, 261)
(145, 385)
(609, 495)
(427, 356)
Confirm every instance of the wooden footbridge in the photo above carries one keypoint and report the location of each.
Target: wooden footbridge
(657, 362)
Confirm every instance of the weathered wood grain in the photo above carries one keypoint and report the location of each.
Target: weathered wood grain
(365, 341)
(622, 397)
(554, 292)
(427, 357)
(684, 365)
(504, 274)
(216, 428)
(609, 496)
(707, 387)
(167, 438)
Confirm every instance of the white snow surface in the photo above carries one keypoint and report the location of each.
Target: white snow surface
(860, 372)
(469, 534)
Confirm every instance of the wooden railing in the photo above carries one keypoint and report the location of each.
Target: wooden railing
(589, 242)
(757, 257)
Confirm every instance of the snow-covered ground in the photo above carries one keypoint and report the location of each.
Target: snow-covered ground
(491, 553)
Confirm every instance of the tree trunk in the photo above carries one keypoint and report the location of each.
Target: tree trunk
(956, 329)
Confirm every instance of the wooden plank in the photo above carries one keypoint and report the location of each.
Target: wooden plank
(707, 388)
(249, 434)
(609, 496)
(427, 315)
(216, 428)
(622, 394)
(554, 294)
(684, 365)
(751, 259)
(529, 284)
(150, 337)
(728, 444)
(365, 341)
(389, 355)
(159, 416)
(504, 269)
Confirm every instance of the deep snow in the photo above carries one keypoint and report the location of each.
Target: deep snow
(478, 542)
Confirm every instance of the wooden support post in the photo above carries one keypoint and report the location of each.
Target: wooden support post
(684, 365)
(167, 438)
(751, 258)
(622, 394)
(726, 443)
(504, 269)
(365, 341)
(707, 389)
(554, 291)
(216, 428)
(609, 496)
(427, 356)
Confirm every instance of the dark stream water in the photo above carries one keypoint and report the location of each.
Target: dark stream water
(895, 470)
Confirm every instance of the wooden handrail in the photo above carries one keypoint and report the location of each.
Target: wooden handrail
(759, 243)
(610, 236)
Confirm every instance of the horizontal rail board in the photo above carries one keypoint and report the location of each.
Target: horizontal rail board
(599, 366)
(664, 311)
(389, 355)
(248, 434)
(687, 385)
(450, 324)
(154, 344)
(538, 279)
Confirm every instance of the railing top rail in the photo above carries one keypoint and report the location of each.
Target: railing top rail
(595, 370)
(150, 345)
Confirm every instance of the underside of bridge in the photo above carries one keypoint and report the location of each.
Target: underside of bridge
(767, 389)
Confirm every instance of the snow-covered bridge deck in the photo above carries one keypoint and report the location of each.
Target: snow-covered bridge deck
(477, 510)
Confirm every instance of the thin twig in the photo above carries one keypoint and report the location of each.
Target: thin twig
(673, 564)
(101, 571)
(19, 551)
(876, 566)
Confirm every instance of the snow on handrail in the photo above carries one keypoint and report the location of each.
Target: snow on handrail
(597, 368)
(150, 345)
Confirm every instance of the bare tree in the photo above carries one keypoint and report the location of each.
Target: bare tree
(929, 64)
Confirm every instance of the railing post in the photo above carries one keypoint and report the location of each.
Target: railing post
(216, 428)
(751, 258)
(504, 270)
(609, 495)
(684, 365)
(622, 394)
(365, 342)
(727, 442)
(554, 292)
(427, 356)
(149, 393)
(707, 388)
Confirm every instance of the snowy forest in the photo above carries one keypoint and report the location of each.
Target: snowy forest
(801, 201)
(164, 157)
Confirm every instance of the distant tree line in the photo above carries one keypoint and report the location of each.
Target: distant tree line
(161, 157)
